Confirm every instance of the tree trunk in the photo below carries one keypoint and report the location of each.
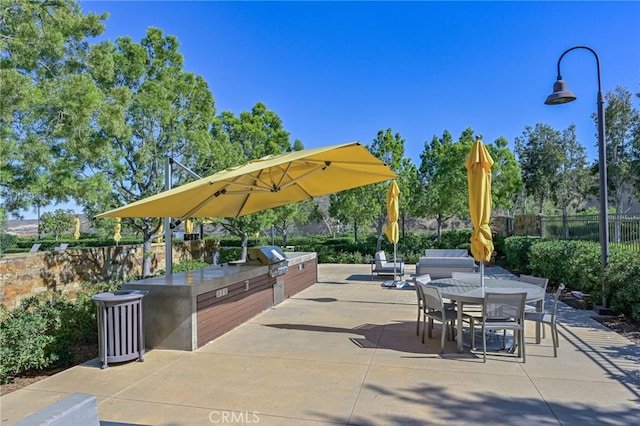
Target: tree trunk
(540, 204)
(244, 238)
(355, 231)
(146, 256)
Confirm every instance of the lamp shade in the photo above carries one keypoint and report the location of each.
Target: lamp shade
(560, 94)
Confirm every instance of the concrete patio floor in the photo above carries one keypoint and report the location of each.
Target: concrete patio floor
(345, 352)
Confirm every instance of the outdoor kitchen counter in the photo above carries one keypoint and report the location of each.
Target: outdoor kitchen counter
(185, 310)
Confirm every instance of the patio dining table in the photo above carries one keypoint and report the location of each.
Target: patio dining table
(469, 291)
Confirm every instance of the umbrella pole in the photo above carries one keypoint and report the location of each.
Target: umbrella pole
(482, 275)
(395, 255)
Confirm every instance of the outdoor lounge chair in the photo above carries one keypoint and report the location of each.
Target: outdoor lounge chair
(382, 266)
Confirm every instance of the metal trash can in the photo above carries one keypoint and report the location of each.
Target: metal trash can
(120, 326)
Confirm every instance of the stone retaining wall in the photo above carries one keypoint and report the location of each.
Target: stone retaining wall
(26, 274)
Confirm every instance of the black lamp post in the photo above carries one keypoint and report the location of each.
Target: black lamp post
(561, 95)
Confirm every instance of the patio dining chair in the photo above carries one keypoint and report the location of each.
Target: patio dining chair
(540, 282)
(502, 311)
(549, 319)
(423, 279)
(473, 277)
(470, 277)
(435, 309)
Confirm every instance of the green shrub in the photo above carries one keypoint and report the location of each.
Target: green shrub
(517, 250)
(338, 241)
(326, 255)
(189, 265)
(251, 242)
(623, 282)
(26, 338)
(22, 341)
(8, 241)
(456, 238)
(575, 263)
(229, 254)
(42, 331)
(47, 244)
(499, 245)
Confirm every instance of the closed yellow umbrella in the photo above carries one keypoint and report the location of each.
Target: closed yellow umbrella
(76, 234)
(478, 166)
(160, 238)
(393, 212)
(188, 226)
(265, 183)
(116, 231)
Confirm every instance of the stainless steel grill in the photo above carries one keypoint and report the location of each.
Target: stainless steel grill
(272, 256)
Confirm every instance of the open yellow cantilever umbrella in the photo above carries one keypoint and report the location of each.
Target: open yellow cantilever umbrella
(265, 183)
(478, 166)
(393, 212)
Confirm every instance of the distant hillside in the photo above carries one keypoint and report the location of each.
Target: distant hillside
(23, 228)
(29, 227)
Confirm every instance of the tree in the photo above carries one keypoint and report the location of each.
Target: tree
(540, 154)
(47, 99)
(296, 213)
(410, 193)
(353, 206)
(369, 204)
(152, 108)
(57, 222)
(388, 147)
(635, 156)
(249, 136)
(299, 213)
(622, 121)
(506, 176)
(443, 178)
(553, 167)
(572, 182)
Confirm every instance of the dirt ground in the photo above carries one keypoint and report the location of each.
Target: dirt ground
(620, 324)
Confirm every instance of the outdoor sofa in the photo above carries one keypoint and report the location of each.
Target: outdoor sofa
(440, 263)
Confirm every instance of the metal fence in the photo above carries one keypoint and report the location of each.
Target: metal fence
(624, 229)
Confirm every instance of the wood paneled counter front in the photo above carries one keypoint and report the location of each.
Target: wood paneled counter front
(186, 310)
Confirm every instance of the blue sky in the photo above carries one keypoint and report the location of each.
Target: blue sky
(340, 71)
